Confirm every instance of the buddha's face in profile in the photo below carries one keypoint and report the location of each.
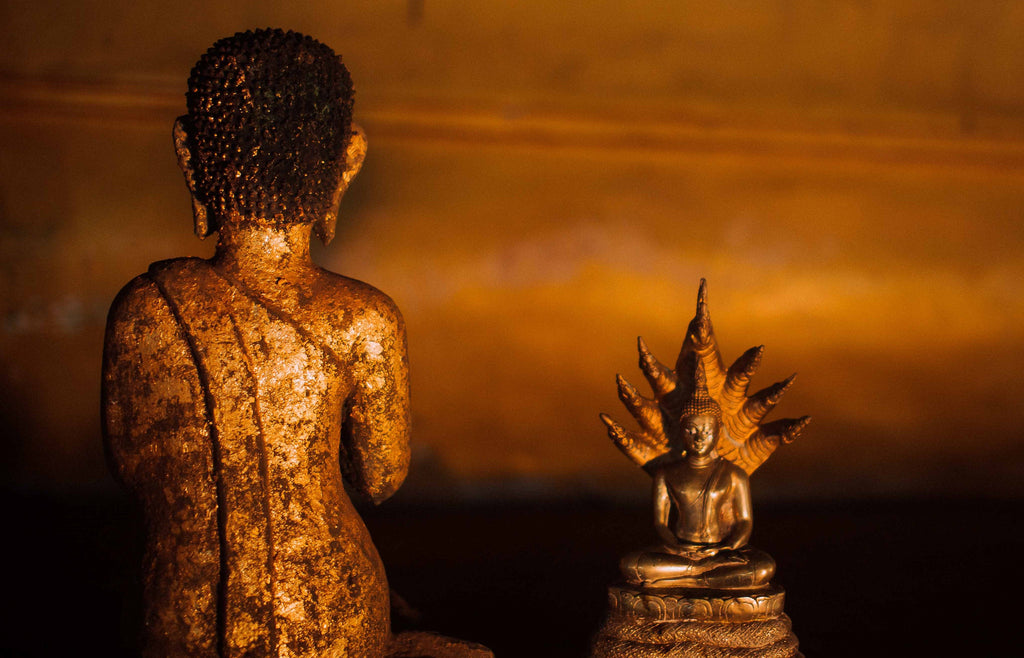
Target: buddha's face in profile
(699, 434)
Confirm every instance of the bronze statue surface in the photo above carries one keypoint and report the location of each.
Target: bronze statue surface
(245, 397)
(703, 590)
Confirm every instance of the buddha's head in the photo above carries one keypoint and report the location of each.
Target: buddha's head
(700, 434)
(700, 420)
(268, 137)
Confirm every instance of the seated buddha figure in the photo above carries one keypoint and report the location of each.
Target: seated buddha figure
(247, 396)
(702, 513)
(700, 437)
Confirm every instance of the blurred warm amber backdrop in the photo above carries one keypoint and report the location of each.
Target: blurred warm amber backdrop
(545, 182)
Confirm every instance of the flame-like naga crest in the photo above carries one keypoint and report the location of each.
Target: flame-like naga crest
(699, 372)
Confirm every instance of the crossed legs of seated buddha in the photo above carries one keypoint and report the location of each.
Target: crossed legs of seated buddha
(669, 565)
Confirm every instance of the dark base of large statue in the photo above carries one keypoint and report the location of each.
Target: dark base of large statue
(422, 644)
(685, 623)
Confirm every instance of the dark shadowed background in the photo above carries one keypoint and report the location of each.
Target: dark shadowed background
(546, 181)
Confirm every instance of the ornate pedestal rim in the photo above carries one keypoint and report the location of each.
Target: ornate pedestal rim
(697, 605)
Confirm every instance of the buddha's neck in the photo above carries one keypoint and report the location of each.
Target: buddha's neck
(248, 250)
(701, 461)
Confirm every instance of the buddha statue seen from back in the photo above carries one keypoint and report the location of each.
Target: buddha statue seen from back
(247, 396)
(703, 591)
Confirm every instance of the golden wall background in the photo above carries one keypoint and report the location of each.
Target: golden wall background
(546, 182)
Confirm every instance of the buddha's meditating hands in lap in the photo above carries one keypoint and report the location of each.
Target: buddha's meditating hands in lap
(700, 438)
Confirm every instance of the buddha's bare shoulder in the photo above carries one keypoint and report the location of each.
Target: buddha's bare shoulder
(141, 299)
(352, 303)
(140, 302)
(734, 472)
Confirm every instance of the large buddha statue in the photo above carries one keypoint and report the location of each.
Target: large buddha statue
(703, 591)
(246, 397)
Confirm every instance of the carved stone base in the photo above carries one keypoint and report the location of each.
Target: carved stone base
(685, 623)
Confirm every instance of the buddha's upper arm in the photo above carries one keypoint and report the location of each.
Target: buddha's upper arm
(662, 502)
(742, 506)
(378, 408)
(152, 402)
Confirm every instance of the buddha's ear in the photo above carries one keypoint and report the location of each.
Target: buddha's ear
(354, 156)
(200, 213)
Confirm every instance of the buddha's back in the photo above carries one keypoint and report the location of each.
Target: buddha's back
(225, 414)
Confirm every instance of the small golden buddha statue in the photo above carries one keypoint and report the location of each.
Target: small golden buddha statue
(702, 513)
(703, 589)
(247, 397)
